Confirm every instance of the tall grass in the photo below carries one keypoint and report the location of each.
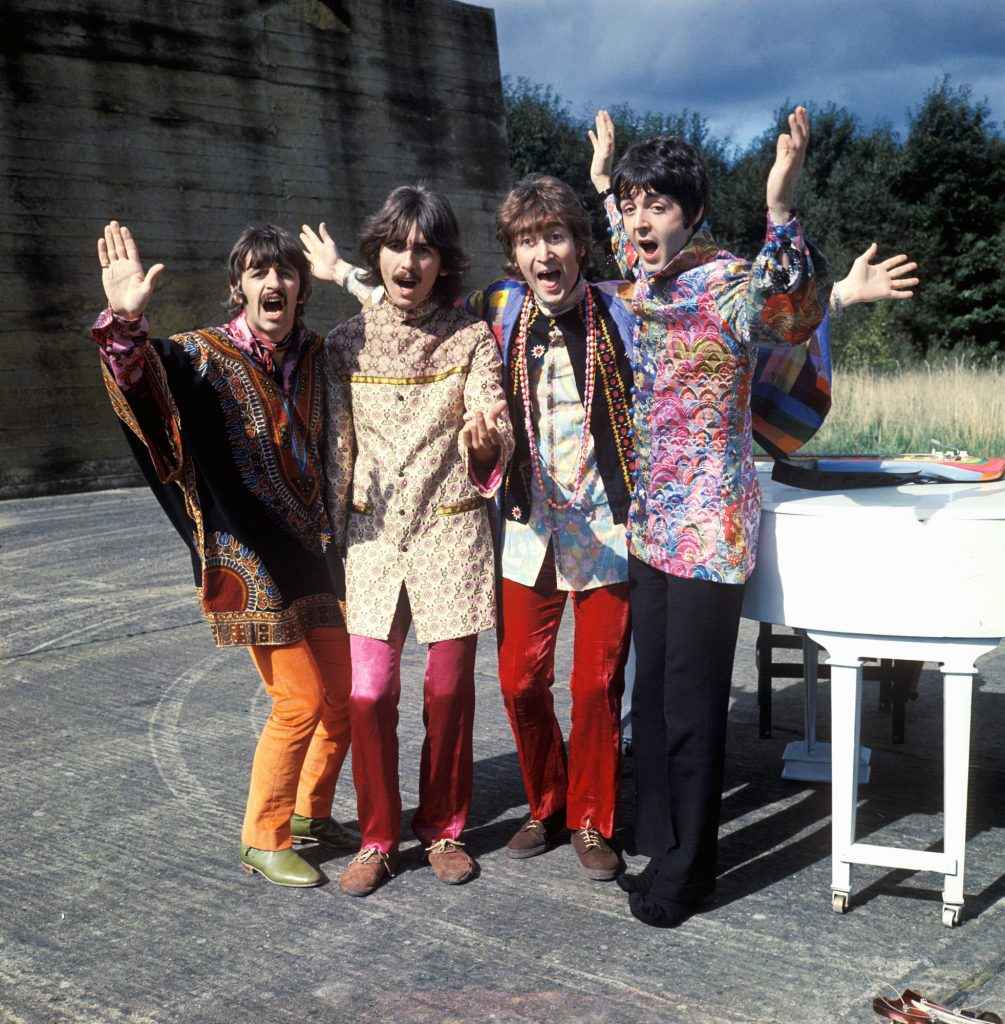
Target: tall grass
(954, 404)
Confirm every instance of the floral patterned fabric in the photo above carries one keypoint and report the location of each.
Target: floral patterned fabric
(589, 547)
(696, 506)
(409, 512)
(228, 432)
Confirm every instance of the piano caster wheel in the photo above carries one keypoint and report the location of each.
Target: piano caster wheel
(839, 902)
(951, 915)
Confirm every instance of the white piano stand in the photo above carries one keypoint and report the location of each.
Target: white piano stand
(808, 759)
(911, 572)
(957, 658)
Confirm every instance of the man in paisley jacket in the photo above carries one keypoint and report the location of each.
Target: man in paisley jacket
(701, 316)
(564, 503)
(415, 382)
(226, 424)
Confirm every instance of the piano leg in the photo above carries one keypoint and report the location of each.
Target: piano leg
(958, 698)
(846, 705)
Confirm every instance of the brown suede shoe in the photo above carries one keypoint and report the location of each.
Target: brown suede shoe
(367, 870)
(596, 858)
(449, 862)
(534, 837)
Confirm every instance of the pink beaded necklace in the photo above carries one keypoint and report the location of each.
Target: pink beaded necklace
(527, 316)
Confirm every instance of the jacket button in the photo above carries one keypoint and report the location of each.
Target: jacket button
(400, 397)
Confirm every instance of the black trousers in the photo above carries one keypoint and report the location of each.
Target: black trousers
(685, 638)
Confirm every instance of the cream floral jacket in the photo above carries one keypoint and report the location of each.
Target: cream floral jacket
(407, 508)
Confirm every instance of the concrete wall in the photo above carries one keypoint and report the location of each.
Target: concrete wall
(187, 119)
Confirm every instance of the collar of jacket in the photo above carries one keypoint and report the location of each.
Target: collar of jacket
(573, 299)
(409, 316)
(263, 350)
(700, 248)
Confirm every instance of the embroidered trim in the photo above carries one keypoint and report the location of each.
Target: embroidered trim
(430, 378)
(241, 629)
(365, 509)
(468, 505)
(259, 431)
(618, 407)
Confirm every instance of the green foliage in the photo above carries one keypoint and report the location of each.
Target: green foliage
(937, 195)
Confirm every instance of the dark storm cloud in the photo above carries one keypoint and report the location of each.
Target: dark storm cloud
(737, 62)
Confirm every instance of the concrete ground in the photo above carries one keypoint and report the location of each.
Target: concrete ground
(124, 758)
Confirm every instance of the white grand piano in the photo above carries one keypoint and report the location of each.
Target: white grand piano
(914, 572)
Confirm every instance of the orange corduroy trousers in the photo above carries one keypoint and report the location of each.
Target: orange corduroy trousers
(306, 737)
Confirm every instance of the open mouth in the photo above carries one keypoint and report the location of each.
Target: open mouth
(405, 280)
(648, 246)
(549, 276)
(274, 303)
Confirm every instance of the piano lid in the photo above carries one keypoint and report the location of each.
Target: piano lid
(923, 560)
(985, 501)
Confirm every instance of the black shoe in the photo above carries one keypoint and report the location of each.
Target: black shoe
(641, 882)
(659, 915)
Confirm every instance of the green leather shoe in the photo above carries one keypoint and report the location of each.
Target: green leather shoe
(281, 867)
(323, 830)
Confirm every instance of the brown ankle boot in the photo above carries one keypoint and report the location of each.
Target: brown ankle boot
(366, 871)
(449, 861)
(596, 858)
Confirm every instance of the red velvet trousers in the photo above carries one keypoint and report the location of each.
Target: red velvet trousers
(584, 783)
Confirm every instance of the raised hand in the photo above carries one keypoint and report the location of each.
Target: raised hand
(480, 433)
(790, 153)
(127, 287)
(321, 252)
(870, 282)
(603, 151)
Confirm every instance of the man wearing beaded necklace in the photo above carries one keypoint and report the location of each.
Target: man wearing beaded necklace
(565, 499)
(564, 504)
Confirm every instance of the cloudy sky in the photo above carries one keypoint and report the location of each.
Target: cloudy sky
(736, 61)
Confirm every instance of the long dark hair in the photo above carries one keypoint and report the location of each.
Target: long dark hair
(417, 206)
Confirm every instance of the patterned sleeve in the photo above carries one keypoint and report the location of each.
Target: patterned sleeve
(482, 390)
(781, 297)
(138, 386)
(121, 344)
(338, 438)
(624, 252)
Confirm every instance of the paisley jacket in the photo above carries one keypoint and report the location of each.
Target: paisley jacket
(411, 513)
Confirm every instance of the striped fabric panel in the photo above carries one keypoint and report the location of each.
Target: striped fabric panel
(791, 394)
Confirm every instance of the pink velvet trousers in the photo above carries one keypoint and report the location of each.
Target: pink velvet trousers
(448, 712)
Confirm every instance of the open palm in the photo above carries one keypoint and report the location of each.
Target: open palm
(790, 153)
(321, 252)
(127, 287)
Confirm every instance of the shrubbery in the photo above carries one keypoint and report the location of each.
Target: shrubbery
(938, 195)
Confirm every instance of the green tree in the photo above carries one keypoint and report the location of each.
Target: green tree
(951, 176)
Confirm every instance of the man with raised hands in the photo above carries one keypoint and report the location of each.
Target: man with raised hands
(227, 425)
